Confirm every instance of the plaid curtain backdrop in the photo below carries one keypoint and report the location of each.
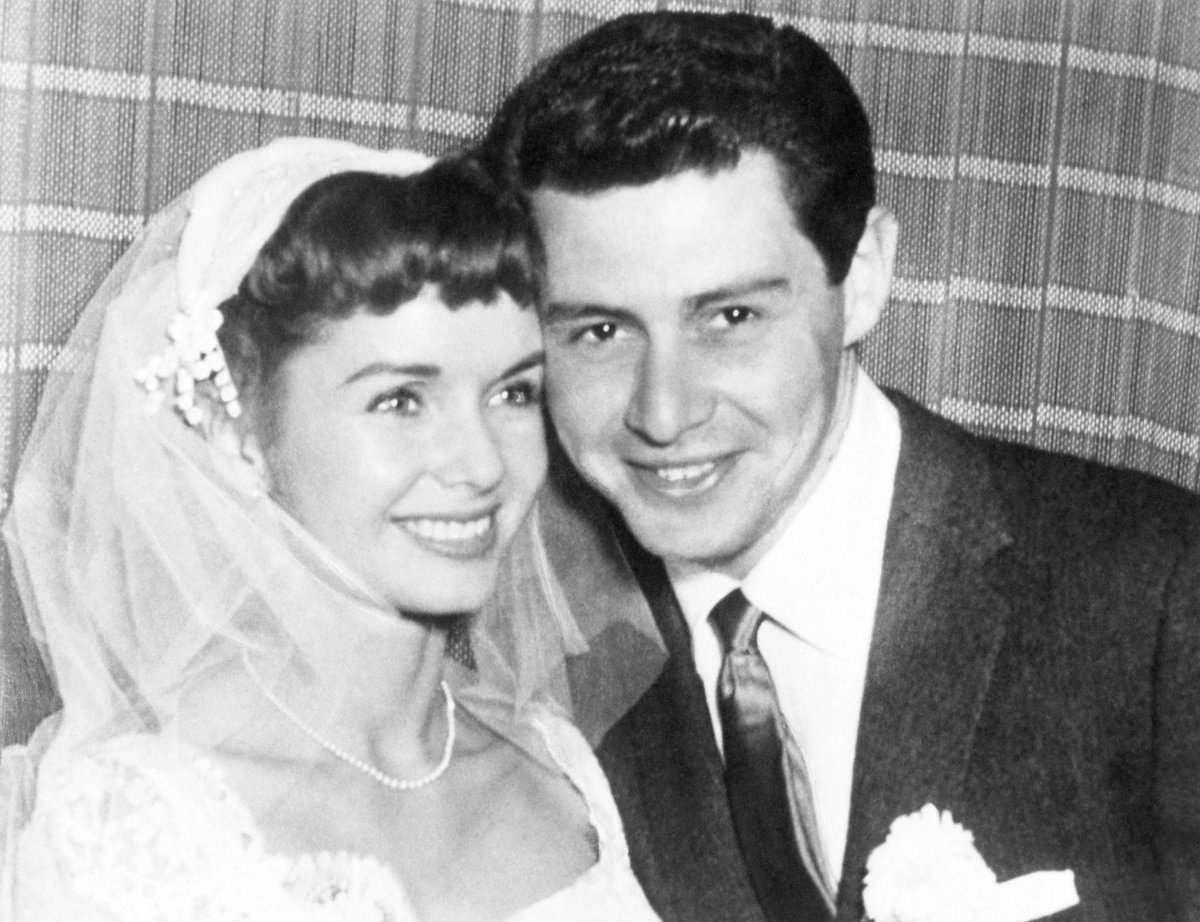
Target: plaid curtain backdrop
(1043, 157)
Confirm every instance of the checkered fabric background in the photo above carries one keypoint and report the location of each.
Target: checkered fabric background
(1043, 157)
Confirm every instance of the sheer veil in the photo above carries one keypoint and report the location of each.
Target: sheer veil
(150, 575)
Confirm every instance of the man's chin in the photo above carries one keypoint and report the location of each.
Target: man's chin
(690, 539)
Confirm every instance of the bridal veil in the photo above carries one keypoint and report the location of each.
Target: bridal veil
(148, 572)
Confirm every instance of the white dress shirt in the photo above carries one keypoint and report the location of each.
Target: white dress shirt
(819, 585)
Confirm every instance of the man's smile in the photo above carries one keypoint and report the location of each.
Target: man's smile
(681, 479)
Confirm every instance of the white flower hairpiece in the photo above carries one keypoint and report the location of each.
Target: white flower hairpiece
(193, 357)
(928, 870)
(235, 208)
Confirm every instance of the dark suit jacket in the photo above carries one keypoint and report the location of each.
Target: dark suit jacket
(1035, 669)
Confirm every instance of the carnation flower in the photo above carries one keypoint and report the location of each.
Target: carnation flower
(928, 870)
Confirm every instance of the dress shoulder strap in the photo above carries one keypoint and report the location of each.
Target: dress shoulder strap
(576, 760)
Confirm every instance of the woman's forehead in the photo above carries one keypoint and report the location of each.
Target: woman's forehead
(423, 337)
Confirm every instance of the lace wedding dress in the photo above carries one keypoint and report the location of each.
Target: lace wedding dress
(143, 828)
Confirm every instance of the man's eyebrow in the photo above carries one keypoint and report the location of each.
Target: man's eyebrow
(390, 368)
(569, 311)
(751, 286)
(574, 311)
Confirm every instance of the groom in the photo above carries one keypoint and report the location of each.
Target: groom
(866, 609)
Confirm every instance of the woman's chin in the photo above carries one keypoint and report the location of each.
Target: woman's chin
(444, 595)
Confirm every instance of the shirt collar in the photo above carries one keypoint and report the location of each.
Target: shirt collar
(825, 559)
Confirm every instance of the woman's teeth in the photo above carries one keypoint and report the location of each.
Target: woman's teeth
(448, 529)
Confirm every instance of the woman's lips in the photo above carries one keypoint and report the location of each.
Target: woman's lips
(453, 536)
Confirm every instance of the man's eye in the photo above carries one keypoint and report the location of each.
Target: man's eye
(402, 402)
(518, 394)
(598, 332)
(735, 315)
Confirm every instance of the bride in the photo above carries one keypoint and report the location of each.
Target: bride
(279, 471)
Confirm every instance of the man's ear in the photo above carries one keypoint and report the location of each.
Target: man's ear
(865, 290)
(238, 453)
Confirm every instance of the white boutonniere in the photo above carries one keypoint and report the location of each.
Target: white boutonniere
(929, 871)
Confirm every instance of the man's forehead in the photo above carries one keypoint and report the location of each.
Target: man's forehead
(688, 237)
(748, 197)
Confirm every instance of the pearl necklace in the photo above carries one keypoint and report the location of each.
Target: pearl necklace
(388, 781)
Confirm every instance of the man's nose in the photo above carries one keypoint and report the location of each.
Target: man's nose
(669, 396)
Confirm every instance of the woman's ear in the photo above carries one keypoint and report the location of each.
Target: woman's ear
(238, 454)
(865, 290)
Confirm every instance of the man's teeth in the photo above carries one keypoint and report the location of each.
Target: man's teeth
(448, 529)
(691, 472)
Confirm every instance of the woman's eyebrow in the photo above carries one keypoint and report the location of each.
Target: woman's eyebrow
(390, 368)
(533, 360)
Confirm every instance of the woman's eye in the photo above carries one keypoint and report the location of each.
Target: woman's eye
(518, 394)
(402, 402)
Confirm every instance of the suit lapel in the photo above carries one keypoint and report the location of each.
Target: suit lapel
(939, 625)
(660, 758)
(687, 856)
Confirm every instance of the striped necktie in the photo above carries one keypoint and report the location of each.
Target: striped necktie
(756, 774)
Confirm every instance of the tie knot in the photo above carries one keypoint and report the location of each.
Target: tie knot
(736, 621)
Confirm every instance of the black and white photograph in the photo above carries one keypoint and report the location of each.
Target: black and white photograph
(600, 460)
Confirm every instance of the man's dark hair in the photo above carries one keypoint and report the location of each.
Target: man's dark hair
(650, 95)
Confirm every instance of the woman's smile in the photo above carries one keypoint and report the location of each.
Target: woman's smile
(453, 537)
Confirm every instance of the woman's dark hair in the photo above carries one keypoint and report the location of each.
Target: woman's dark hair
(370, 242)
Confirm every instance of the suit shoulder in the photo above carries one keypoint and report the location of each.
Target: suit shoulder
(1092, 492)
(1050, 489)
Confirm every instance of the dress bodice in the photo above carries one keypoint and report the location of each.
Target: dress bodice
(144, 828)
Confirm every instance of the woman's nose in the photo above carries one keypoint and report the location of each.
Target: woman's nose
(471, 455)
